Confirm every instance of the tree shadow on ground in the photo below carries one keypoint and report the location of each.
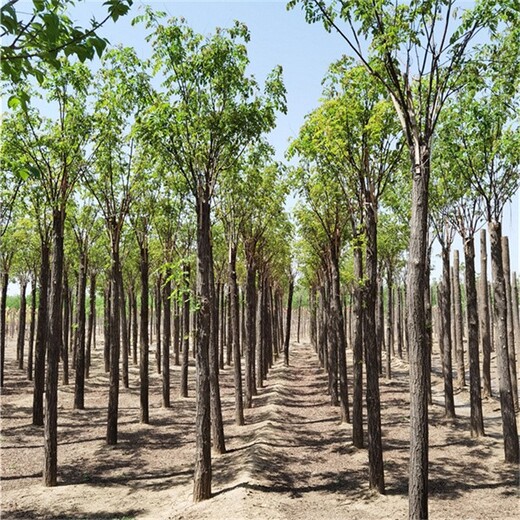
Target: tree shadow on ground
(42, 514)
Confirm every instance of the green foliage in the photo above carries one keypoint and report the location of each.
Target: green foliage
(33, 40)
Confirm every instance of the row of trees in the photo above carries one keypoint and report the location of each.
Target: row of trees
(422, 84)
(128, 182)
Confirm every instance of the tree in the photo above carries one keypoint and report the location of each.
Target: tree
(33, 41)
(417, 55)
(210, 112)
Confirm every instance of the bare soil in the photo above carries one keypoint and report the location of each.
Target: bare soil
(292, 459)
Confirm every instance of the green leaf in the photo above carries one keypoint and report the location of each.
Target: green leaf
(13, 102)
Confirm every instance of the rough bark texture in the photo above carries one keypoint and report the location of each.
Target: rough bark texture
(91, 323)
(42, 332)
(477, 421)
(3, 318)
(375, 447)
(79, 383)
(125, 341)
(389, 324)
(144, 346)
(510, 324)
(234, 312)
(158, 311)
(250, 339)
(66, 321)
(185, 330)
(22, 318)
(445, 339)
(459, 339)
(288, 325)
(115, 348)
(202, 473)
(485, 333)
(509, 426)
(167, 316)
(50, 439)
(32, 330)
(418, 469)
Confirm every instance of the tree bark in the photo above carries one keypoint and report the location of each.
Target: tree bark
(390, 323)
(22, 318)
(125, 341)
(357, 365)
(445, 339)
(3, 322)
(50, 439)
(64, 342)
(288, 326)
(91, 321)
(158, 311)
(42, 332)
(485, 333)
(202, 474)
(144, 339)
(79, 383)
(418, 468)
(30, 353)
(509, 427)
(476, 418)
(510, 325)
(234, 312)
(459, 339)
(167, 316)
(250, 339)
(185, 329)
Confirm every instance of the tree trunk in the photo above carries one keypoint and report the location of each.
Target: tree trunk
(217, 423)
(418, 468)
(30, 354)
(390, 323)
(125, 341)
(135, 326)
(510, 324)
(288, 326)
(79, 383)
(42, 332)
(167, 316)
(106, 326)
(91, 321)
(3, 321)
(158, 310)
(115, 346)
(299, 319)
(144, 345)
(177, 334)
(250, 338)
(375, 447)
(64, 342)
(202, 474)
(332, 342)
(477, 421)
(509, 427)
(459, 340)
(234, 312)
(357, 364)
(445, 339)
(22, 318)
(185, 330)
(50, 440)
(485, 333)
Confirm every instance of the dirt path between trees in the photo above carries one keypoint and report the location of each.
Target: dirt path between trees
(292, 460)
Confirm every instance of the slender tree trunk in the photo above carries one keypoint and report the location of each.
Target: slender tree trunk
(3, 322)
(202, 475)
(477, 421)
(234, 312)
(398, 324)
(418, 468)
(516, 317)
(125, 340)
(459, 340)
(167, 316)
(332, 342)
(115, 346)
(299, 319)
(79, 386)
(509, 427)
(485, 333)
(185, 330)
(91, 320)
(445, 339)
(64, 343)
(50, 438)
(429, 324)
(144, 339)
(390, 323)
(42, 333)
(22, 318)
(135, 326)
(375, 446)
(177, 334)
(106, 326)
(30, 354)
(288, 326)
(158, 311)
(510, 324)
(250, 338)
(217, 423)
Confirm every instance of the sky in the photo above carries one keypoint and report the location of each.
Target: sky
(278, 37)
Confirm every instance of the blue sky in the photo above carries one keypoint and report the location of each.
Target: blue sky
(278, 37)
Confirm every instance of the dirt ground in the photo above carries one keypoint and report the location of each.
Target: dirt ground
(292, 459)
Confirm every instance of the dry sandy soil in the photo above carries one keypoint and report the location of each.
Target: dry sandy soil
(293, 459)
